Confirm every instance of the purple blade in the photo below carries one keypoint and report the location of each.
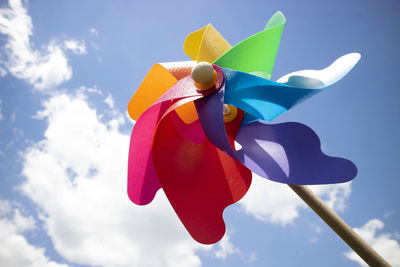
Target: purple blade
(210, 112)
(287, 153)
(290, 153)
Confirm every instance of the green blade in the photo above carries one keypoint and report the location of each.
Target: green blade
(256, 54)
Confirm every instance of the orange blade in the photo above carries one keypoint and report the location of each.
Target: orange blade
(157, 81)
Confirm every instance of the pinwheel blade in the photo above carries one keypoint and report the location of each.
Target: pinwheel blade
(157, 81)
(142, 178)
(290, 153)
(257, 53)
(315, 79)
(287, 153)
(206, 44)
(264, 99)
(199, 180)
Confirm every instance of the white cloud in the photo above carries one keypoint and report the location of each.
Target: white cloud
(3, 72)
(77, 177)
(92, 90)
(389, 214)
(277, 203)
(225, 248)
(44, 69)
(335, 195)
(271, 202)
(23, 223)
(317, 228)
(95, 46)
(116, 117)
(396, 235)
(251, 258)
(5, 207)
(77, 47)
(1, 106)
(109, 101)
(94, 32)
(383, 243)
(15, 249)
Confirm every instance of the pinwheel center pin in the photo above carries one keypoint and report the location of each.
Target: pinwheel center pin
(204, 76)
(230, 113)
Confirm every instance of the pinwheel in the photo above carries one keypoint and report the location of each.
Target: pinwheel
(201, 127)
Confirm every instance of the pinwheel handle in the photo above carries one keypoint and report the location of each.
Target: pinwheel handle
(365, 251)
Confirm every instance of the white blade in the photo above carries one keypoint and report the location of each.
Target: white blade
(315, 79)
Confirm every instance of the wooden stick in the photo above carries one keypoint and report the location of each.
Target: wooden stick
(365, 251)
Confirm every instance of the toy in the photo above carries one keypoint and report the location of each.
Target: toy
(190, 115)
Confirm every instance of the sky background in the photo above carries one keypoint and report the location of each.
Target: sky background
(67, 72)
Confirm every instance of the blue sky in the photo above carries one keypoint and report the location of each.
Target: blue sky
(68, 70)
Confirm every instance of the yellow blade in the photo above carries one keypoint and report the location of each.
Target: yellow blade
(206, 44)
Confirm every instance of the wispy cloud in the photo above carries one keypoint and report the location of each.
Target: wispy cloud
(5, 207)
(94, 32)
(44, 69)
(225, 248)
(109, 101)
(334, 195)
(77, 47)
(3, 72)
(389, 214)
(383, 243)
(1, 106)
(252, 257)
